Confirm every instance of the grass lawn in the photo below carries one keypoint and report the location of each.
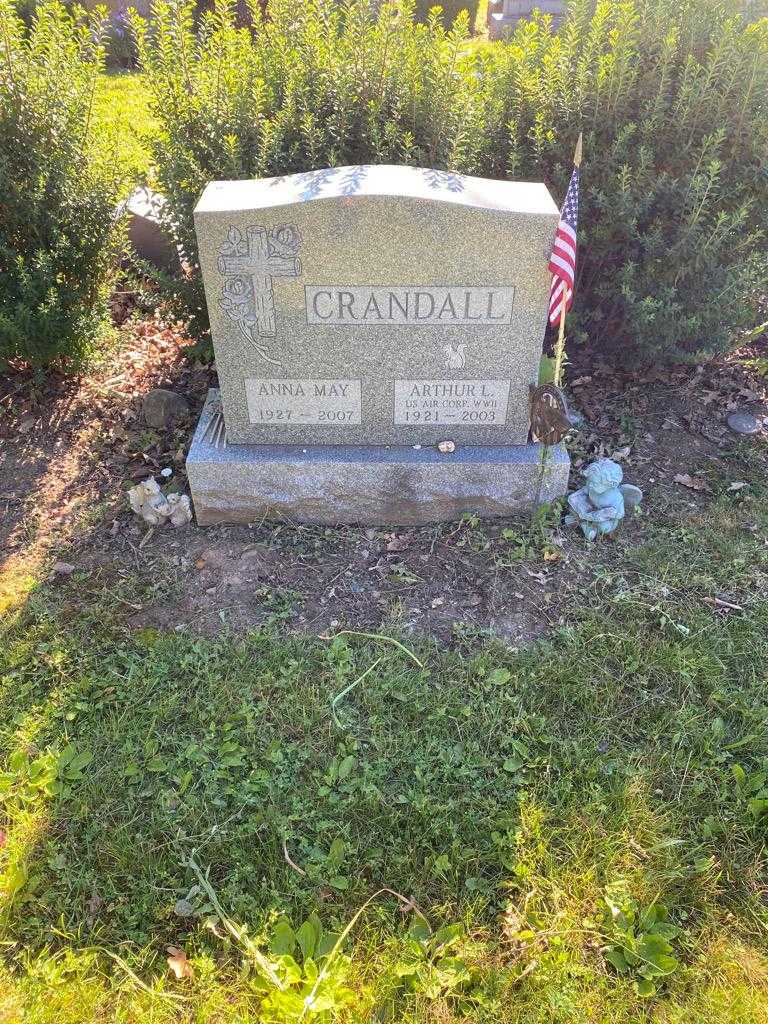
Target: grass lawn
(579, 823)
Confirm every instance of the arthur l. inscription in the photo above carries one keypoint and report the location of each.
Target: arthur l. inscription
(452, 402)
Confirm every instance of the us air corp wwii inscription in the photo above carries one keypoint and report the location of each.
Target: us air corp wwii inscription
(451, 402)
(376, 305)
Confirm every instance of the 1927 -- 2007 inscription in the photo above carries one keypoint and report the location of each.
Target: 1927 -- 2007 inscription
(280, 401)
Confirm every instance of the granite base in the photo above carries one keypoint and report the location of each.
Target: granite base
(376, 484)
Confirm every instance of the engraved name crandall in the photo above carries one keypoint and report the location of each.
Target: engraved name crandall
(407, 305)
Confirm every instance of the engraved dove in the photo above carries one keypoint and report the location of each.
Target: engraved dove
(456, 356)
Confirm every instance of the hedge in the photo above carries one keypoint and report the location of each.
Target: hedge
(672, 98)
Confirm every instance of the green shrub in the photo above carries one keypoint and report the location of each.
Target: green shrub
(450, 8)
(57, 231)
(672, 96)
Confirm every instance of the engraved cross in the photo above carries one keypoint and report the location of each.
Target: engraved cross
(261, 262)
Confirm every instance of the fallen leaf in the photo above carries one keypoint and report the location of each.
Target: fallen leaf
(693, 483)
(718, 602)
(398, 543)
(25, 424)
(178, 963)
(738, 485)
(94, 906)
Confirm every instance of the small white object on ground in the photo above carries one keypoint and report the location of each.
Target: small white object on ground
(446, 447)
(166, 472)
(148, 501)
(181, 509)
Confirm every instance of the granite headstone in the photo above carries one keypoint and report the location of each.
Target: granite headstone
(360, 316)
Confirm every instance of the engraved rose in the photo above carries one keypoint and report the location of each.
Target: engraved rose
(237, 289)
(286, 240)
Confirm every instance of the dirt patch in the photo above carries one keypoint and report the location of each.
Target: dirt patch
(69, 450)
(427, 580)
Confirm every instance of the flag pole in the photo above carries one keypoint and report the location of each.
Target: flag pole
(559, 350)
(560, 345)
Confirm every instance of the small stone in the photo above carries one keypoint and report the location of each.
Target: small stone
(743, 422)
(166, 472)
(63, 568)
(446, 447)
(162, 408)
(184, 908)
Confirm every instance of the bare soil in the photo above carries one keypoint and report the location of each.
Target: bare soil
(70, 448)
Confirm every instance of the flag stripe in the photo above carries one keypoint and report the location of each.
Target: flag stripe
(564, 265)
(562, 262)
(567, 248)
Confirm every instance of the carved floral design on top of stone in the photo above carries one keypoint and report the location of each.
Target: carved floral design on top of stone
(248, 265)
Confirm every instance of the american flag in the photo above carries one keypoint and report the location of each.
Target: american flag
(562, 262)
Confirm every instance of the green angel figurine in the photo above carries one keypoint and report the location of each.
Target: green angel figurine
(599, 506)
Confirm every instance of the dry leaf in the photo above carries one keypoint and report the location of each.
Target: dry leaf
(718, 602)
(178, 963)
(94, 906)
(693, 483)
(401, 543)
(738, 485)
(63, 568)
